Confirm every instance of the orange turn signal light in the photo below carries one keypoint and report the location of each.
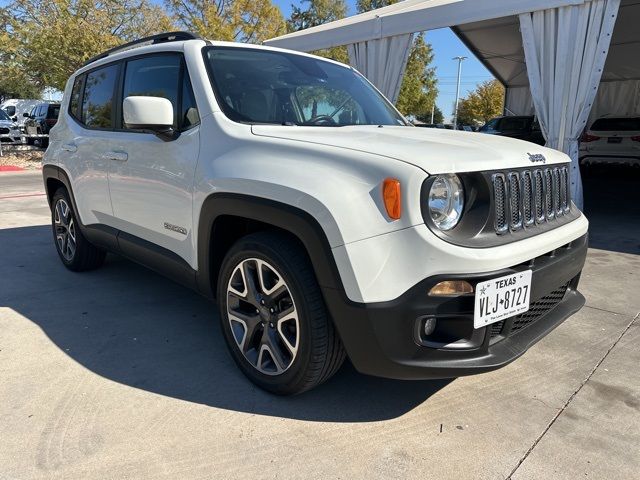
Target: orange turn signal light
(451, 288)
(392, 198)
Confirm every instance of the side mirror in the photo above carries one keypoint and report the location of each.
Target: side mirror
(25, 115)
(153, 114)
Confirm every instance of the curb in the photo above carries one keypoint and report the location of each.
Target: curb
(10, 168)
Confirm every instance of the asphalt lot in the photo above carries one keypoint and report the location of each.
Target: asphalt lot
(120, 373)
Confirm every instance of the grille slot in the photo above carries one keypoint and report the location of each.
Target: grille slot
(515, 200)
(527, 198)
(500, 195)
(524, 199)
(4, 131)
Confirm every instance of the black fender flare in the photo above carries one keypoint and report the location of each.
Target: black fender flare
(283, 216)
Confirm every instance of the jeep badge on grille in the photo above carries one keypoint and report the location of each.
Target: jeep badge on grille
(536, 157)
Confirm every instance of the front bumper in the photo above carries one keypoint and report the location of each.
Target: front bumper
(384, 339)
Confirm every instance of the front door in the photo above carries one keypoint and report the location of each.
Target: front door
(151, 180)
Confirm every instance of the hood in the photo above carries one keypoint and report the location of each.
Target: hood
(7, 124)
(433, 150)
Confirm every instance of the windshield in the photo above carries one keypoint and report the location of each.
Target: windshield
(263, 86)
(4, 116)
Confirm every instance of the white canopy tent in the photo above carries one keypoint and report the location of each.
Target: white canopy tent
(549, 54)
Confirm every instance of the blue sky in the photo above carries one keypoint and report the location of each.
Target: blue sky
(445, 46)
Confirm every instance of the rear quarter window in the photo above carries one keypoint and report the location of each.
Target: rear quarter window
(97, 101)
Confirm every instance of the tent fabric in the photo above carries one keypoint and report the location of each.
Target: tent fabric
(383, 62)
(616, 99)
(565, 50)
(518, 101)
(408, 16)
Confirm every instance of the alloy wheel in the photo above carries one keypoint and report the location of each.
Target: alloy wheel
(263, 317)
(65, 229)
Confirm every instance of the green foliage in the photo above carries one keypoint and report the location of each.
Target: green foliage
(367, 5)
(248, 21)
(438, 116)
(482, 104)
(317, 13)
(418, 90)
(47, 40)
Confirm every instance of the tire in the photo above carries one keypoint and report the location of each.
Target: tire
(308, 350)
(31, 141)
(75, 251)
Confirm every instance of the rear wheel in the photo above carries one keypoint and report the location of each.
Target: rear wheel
(75, 251)
(273, 315)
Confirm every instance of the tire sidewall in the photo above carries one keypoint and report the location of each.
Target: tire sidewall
(296, 372)
(61, 194)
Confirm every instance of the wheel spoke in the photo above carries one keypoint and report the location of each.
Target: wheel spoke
(268, 338)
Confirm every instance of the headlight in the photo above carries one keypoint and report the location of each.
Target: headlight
(446, 201)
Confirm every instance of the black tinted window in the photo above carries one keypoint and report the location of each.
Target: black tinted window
(154, 76)
(515, 124)
(616, 125)
(11, 110)
(189, 110)
(97, 102)
(76, 92)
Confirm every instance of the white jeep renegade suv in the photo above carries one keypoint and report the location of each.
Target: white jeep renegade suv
(286, 187)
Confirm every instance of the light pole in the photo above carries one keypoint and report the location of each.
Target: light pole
(455, 114)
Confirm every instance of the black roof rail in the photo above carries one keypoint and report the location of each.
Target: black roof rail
(151, 40)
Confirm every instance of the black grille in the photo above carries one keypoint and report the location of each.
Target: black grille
(4, 131)
(537, 310)
(530, 197)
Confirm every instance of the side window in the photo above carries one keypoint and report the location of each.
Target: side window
(154, 76)
(41, 110)
(189, 116)
(76, 92)
(53, 112)
(98, 97)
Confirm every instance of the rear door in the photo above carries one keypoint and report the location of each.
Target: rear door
(151, 180)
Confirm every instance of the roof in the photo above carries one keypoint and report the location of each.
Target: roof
(408, 16)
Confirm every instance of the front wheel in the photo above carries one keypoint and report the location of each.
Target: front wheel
(273, 315)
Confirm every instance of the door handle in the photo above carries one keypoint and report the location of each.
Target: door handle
(69, 147)
(117, 156)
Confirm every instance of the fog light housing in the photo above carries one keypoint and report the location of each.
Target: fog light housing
(451, 288)
(428, 325)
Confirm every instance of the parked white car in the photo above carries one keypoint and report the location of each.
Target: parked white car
(612, 140)
(9, 130)
(288, 188)
(16, 108)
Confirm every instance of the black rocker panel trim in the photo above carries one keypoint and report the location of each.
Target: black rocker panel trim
(148, 254)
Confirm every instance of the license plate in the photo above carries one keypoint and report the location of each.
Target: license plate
(32, 130)
(502, 298)
(614, 140)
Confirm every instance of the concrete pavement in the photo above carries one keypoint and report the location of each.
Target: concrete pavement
(120, 373)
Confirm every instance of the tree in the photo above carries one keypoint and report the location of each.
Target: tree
(248, 21)
(482, 104)
(317, 13)
(438, 116)
(49, 39)
(418, 90)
